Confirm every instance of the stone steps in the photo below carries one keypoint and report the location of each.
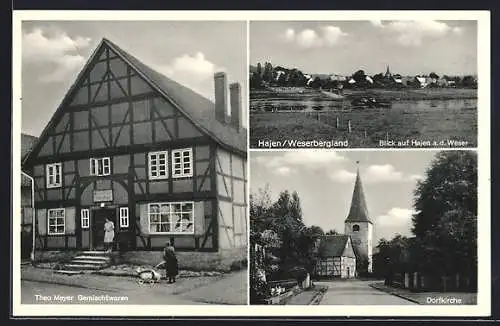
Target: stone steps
(86, 261)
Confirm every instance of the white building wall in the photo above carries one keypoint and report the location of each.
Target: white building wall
(362, 239)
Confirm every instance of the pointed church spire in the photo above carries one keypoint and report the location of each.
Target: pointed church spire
(387, 72)
(358, 211)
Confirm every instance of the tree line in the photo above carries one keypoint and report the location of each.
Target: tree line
(267, 75)
(444, 229)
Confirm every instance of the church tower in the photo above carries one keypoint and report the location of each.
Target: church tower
(388, 72)
(358, 224)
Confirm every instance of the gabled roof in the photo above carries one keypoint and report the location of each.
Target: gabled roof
(358, 211)
(200, 110)
(333, 245)
(27, 143)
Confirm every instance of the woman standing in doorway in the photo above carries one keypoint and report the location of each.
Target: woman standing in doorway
(171, 264)
(109, 234)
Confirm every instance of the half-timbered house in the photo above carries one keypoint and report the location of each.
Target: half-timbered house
(161, 161)
(348, 254)
(27, 143)
(335, 257)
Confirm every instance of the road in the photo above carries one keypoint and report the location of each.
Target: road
(46, 293)
(357, 292)
(230, 289)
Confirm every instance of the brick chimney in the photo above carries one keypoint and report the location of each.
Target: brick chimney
(235, 100)
(221, 98)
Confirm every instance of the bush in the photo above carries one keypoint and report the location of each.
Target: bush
(259, 291)
(239, 265)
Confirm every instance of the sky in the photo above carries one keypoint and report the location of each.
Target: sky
(324, 181)
(53, 53)
(343, 47)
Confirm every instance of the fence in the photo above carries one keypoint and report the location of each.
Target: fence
(418, 282)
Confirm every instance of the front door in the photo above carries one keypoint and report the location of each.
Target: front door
(98, 219)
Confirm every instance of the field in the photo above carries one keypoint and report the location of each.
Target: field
(369, 127)
(385, 94)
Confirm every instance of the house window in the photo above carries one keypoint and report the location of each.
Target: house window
(158, 162)
(54, 175)
(85, 218)
(355, 228)
(124, 217)
(56, 221)
(171, 217)
(182, 160)
(100, 166)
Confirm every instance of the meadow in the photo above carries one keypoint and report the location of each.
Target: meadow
(434, 115)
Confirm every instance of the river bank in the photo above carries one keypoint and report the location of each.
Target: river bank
(382, 94)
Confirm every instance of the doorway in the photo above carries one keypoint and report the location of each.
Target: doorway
(98, 219)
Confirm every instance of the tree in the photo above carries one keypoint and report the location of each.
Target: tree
(255, 81)
(316, 83)
(433, 75)
(359, 76)
(445, 224)
(259, 69)
(378, 77)
(469, 81)
(331, 232)
(261, 214)
(268, 72)
(393, 256)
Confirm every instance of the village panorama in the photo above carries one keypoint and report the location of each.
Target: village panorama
(329, 81)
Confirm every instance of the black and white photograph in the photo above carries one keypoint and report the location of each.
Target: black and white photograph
(363, 227)
(173, 164)
(134, 150)
(363, 83)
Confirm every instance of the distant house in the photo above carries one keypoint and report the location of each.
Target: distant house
(420, 81)
(337, 78)
(431, 81)
(27, 143)
(308, 79)
(335, 257)
(278, 74)
(442, 82)
(407, 80)
(398, 79)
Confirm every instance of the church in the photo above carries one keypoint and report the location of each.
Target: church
(350, 254)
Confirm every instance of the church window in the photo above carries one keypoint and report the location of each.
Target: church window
(355, 228)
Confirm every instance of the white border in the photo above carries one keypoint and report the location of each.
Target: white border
(483, 306)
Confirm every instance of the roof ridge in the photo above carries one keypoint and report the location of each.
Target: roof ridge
(114, 45)
(199, 109)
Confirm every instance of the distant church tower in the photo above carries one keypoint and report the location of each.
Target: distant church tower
(388, 72)
(358, 225)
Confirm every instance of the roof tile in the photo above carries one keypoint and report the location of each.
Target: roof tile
(200, 109)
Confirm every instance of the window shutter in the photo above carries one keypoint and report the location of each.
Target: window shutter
(144, 219)
(70, 220)
(199, 218)
(41, 217)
